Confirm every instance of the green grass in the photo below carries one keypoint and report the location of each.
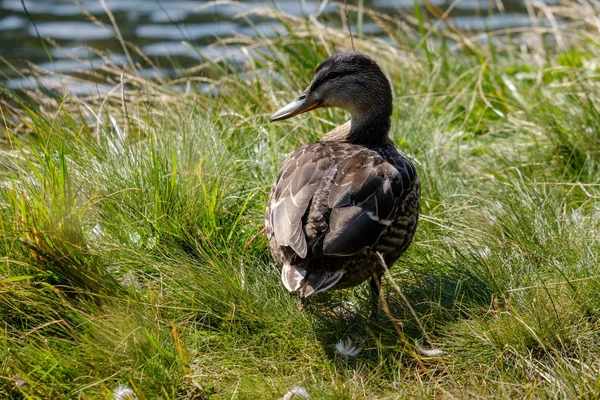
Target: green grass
(127, 222)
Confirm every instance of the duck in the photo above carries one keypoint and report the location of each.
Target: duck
(346, 207)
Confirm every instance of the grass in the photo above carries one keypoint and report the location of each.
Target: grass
(129, 220)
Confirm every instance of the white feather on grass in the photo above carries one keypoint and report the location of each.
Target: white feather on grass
(296, 392)
(346, 349)
(347, 309)
(433, 352)
(124, 392)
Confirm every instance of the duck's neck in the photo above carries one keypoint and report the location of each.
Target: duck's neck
(367, 128)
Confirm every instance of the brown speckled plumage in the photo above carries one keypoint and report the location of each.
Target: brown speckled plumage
(338, 202)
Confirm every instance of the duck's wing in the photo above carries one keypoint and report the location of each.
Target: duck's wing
(335, 199)
(364, 200)
(301, 176)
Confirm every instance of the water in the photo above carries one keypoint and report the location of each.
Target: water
(180, 32)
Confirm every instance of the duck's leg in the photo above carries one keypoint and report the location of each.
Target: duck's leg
(375, 286)
(376, 283)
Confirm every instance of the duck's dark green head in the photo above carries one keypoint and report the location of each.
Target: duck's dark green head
(348, 80)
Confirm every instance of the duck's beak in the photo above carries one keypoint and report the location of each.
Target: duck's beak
(301, 104)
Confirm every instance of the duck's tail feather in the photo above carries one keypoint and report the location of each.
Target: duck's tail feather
(292, 277)
(320, 281)
(297, 279)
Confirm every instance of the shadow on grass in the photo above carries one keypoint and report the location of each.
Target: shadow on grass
(437, 299)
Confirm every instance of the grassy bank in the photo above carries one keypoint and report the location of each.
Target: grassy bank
(129, 218)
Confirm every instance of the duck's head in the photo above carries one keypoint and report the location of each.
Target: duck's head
(351, 81)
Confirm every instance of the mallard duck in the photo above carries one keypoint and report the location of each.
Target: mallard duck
(343, 206)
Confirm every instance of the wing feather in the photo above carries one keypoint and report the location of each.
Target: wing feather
(363, 199)
(299, 180)
(336, 198)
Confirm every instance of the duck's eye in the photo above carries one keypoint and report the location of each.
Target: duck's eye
(301, 97)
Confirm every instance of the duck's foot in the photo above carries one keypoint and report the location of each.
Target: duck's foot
(302, 303)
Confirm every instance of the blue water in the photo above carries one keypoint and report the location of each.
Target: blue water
(180, 32)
